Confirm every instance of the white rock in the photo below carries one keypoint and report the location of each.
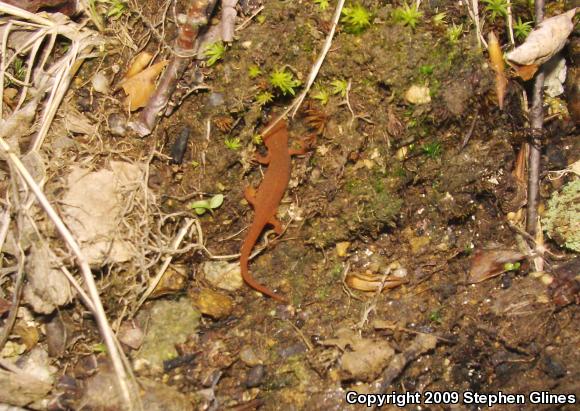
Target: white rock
(555, 76)
(222, 274)
(101, 83)
(418, 95)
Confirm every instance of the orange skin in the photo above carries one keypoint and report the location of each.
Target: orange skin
(267, 198)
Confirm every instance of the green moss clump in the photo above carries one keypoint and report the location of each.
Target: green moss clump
(364, 207)
(562, 219)
(356, 19)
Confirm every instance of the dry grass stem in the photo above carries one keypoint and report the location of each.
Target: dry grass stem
(510, 22)
(473, 11)
(246, 22)
(60, 74)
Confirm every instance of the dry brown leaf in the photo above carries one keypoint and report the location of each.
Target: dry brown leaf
(490, 263)
(372, 282)
(544, 41)
(138, 64)
(67, 7)
(4, 306)
(140, 87)
(525, 72)
(21, 389)
(498, 66)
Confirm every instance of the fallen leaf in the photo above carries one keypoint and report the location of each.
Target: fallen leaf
(372, 282)
(173, 281)
(4, 306)
(138, 64)
(140, 87)
(566, 286)
(498, 66)
(525, 72)
(57, 335)
(20, 389)
(67, 7)
(490, 263)
(544, 41)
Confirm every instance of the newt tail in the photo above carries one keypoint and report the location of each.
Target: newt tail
(248, 278)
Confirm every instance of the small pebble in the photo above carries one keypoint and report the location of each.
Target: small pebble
(213, 304)
(180, 146)
(255, 376)
(84, 102)
(222, 274)
(215, 99)
(131, 335)
(292, 350)
(117, 124)
(418, 95)
(447, 290)
(249, 357)
(506, 281)
(554, 368)
(101, 83)
(342, 248)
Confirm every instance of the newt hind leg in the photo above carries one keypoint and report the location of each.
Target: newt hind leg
(277, 225)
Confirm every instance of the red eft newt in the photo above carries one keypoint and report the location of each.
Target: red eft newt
(266, 199)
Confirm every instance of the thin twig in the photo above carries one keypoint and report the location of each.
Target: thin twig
(347, 101)
(5, 224)
(308, 344)
(23, 14)
(318, 64)
(469, 132)
(536, 123)
(473, 12)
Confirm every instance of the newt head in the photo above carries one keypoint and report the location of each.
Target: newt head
(278, 127)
